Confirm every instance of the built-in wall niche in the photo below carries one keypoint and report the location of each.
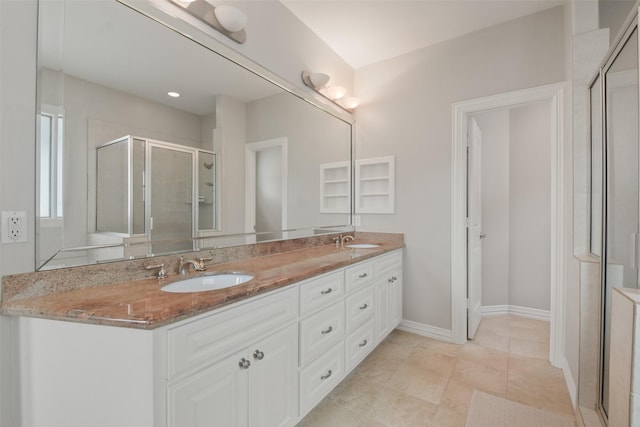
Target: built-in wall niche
(335, 187)
(375, 185)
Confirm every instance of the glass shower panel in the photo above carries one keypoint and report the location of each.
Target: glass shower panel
(112, 187)
(621, 121)
(595, 241)
(206, 190)
(171, 195)
(137, 185)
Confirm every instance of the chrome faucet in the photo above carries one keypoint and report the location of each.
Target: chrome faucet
(344, 239)
(183, 267)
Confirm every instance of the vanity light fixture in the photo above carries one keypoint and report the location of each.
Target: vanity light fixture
(173, 94)
(319, 82)
(227, 20)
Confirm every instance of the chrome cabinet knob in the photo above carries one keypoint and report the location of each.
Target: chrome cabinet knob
(244, 363)
(258, 355)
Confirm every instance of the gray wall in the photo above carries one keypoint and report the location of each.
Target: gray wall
(613, 13)
(530, 206)
(516, 211)
(406, 111)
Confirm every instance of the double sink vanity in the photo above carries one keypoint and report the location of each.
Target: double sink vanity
(262, 352)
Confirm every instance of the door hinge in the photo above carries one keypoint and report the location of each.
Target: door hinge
(467, 222)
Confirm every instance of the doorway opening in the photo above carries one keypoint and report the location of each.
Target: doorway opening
(460, 272)
(266, 189)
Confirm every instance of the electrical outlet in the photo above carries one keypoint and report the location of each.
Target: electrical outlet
(14, 227)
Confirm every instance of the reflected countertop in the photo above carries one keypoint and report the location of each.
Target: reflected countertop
(141, 304)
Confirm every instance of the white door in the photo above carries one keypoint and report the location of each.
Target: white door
(474, 230)
(273, 380)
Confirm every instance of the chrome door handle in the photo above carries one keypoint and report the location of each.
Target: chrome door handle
(244, 363)
(326, 331)
(258, 355)
(482, 235)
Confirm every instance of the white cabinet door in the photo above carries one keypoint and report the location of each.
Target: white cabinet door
(217, 396)
(382, 310)
(273, 380)
(395, 299)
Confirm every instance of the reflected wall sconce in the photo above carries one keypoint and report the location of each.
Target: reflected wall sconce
(319, 82)
(227, 20)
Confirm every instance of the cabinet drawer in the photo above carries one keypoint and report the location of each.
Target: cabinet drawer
(359, 275)
(317, 379)
(208, 339)
(359, 344)
(320, 292)
(388, 263)
(360, 307)
(321, 331)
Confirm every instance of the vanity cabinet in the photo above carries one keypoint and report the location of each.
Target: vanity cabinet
(262, 362)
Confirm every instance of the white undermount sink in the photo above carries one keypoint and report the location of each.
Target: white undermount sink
(362, 246)
(209, 282)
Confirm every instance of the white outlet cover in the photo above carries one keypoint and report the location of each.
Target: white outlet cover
(20, 227)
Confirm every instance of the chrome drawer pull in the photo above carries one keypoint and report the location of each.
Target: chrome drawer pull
(244, 363)
(258, 355)
(363, 275)
(362, 307)
(363, 343)
(392, 279)
(326, 331)
(328, 291)
(327, 375)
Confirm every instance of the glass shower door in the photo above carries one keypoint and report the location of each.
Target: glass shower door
(622, 189)
(171, 199)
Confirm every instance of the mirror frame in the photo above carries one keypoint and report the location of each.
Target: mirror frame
(169, 15)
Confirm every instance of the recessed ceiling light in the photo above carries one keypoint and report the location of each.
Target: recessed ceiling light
(173, 94)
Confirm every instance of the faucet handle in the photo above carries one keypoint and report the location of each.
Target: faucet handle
(202, 262)
(162, 271)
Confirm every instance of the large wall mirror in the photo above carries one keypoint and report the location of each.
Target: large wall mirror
(127, 170)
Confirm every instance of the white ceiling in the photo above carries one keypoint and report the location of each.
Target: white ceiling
(364, 32)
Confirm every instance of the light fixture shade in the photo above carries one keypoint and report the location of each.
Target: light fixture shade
(231, 18)
(336, 92)
(350, 102)
(319, 80)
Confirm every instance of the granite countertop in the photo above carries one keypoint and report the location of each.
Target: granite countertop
(141, 304)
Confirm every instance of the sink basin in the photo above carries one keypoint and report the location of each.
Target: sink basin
(362, 246)
(210, 282)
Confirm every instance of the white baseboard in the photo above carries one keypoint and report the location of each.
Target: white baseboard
(571, 384)
(426, 330)
(532, 313)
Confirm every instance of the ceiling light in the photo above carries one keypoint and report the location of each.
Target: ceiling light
(231, 18)
(173, 94)
(319, 80)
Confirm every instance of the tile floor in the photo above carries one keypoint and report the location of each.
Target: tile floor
(412, 381)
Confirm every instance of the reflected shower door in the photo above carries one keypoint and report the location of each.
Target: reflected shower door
(622, 172)
(171, 199)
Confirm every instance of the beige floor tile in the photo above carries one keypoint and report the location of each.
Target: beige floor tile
(432, 360)
(356, 394)
(498, 325)
(491, 357)
(425, 385)
(531, 329)
(529, 348)
(377, 368)
(392, 350)
(490, 339)
(330, 414)
(397, 409)
(446, 417)
(368, 422)
(439, 346)
(481, 377)
(457, 397)
(404, 338)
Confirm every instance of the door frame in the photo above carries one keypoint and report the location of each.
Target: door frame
(461, 111)
(251, 148)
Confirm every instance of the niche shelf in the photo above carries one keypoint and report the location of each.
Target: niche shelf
(375, 185)
(335, 184)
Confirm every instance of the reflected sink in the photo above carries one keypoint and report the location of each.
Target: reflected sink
(362, 246)
(210, 282)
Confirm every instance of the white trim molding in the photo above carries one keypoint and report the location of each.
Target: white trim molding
(461, 112)
(531, 313)
(426, 330)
